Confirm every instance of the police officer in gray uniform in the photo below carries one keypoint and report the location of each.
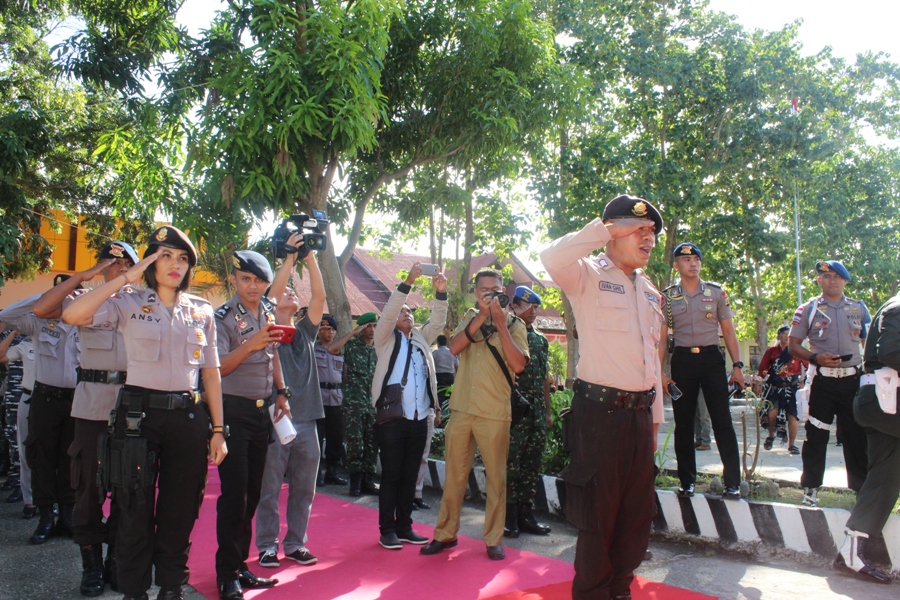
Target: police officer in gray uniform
(51, 427)
(834, 325)
(246, 343)
(331, 428)
(695, 310)
(102, 373)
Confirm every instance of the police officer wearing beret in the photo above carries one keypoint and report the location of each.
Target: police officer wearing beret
(330, 427)
(695, 311)
(100, 376)
(834, 325)
(160, 433)
(617, 406)
(246, 343)
(875, 409)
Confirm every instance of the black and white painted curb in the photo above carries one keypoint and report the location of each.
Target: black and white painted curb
(817, 531)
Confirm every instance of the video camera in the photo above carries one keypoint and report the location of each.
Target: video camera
(503, 298)
(315, 240)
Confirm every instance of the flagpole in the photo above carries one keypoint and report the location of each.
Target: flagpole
(795, 111)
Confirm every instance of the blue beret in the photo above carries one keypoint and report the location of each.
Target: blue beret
(631, 207)
(329, 320)
(827, 266)
(253, 262)
(526, 294)
(118, 250)
(687, 249)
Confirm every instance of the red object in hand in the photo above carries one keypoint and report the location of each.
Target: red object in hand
(287, 333)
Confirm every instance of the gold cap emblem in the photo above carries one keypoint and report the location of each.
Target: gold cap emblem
(639, 209)
(686, 249)
(162, 234)
(824, 266)
(236, 262)
(116, 251)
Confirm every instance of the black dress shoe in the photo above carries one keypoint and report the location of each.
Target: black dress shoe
(686, 491)
(496, 552)
(435, 546)
(230, 590)
(45, 526)
(418, 503)
(529, 524)
(511, 527)
(28, 512)
(368, 486)
(250, 581)
(16, 495)
(173, 593)
(867, 573)
(332, 477)
(356, 484)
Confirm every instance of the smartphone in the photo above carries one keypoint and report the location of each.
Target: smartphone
(845, 356)
(674, 392)
(429, 269)
(287, 333)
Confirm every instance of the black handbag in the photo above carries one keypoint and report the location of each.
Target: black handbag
(389, 406)
(518, 403)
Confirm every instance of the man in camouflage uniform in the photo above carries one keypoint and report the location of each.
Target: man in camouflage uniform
(359, 414)
(528, 437)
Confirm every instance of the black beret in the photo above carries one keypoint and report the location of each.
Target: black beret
(253, 262)
(687, 249)
(171, 237)
(118, 250)
(631, 207)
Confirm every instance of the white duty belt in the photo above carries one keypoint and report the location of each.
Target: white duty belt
(837, 372)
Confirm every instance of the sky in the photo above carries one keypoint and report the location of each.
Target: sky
(849, 28)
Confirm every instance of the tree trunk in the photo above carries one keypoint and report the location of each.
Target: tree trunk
(464, 278)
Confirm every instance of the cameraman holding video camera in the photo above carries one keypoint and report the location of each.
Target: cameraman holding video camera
(480, 410)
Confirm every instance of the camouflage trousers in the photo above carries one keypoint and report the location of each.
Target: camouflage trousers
(527, 440)
(359, 433)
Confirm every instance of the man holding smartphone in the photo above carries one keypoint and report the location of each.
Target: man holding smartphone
(834, 325)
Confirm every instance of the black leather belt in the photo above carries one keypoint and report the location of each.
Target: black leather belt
(97, 376)
(258, 402)
(330, 386)
(615, 397)
(133, 397)
(52, 392)
(27, 391)
(695, 349)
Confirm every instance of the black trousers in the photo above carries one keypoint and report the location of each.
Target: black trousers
(241, 475)
(155, 526)
(691, 373)
(90, 528)
(331, 435)
(402, 443)
(443, 381)
(51, 430)
(610, 494)
(830, 397)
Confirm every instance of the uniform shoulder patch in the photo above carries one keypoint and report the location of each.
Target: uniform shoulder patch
(714, 284)
(222, 311)
(267, 305)
(76, 293)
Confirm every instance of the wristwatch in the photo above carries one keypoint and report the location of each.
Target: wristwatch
(813, 357)
(737, 365)
(225, 430)
(285, 391)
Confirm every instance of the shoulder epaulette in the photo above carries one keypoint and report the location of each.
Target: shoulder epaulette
(714, 284)
(222, 311)
(267, 306)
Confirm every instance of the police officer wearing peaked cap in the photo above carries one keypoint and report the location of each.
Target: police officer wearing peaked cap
(246, 345)
(161, 434)
(834, 325)
(695, 311)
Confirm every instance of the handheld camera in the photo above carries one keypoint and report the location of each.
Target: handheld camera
(316, 225)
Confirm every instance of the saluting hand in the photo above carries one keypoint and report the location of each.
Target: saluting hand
(96, 269)
(623, 227)
(133, 275)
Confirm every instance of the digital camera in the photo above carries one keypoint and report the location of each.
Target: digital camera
(503, 298)
(317, 225)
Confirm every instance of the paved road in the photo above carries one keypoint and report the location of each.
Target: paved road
(52, 571)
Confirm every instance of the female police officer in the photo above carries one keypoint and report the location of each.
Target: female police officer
(159, 433)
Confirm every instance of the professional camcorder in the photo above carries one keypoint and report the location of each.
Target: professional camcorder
(503, 298)
(315, 240)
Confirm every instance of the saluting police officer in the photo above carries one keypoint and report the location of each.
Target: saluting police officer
(834, 325)
(160, 435)
(695, 310)
(246, 343)
(51, 428)
(102, 373)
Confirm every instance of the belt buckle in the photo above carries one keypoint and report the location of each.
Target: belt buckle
(695, 350)
(260, 403)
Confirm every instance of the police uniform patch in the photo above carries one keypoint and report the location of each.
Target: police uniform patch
(246, 330)
(709, 315)
(707, 300)
(242, 324)
(651, 297)
(606, 286)
(241, 308)
(603, 262)
(201, 337)
(707, 292)
(52, 324)
(146, 309)
(270, 318)
(243, 341)
(222, 311)
(197, 353)
(708, 306)
(151, 298)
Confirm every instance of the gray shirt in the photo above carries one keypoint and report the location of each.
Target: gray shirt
(445, 361)
(298, 364)
(235, 325)
(834, 327)
(331, 370)
(56, 344)
(694, 318)
(24, 352)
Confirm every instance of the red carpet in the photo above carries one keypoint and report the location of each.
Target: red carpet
(344, 536)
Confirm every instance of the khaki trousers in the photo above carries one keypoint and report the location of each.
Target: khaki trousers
(462, 434)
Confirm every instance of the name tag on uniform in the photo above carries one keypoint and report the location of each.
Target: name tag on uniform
(606, 286)
(653, 299)
(246, 330)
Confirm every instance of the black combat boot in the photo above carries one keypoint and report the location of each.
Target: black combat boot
(332, 477)
(45, 525)
(170, 593)
(511, 530)
(92, 573)
(356, 484)
(110, 573)
(368, 486)
(65, 525)
(528, 523)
